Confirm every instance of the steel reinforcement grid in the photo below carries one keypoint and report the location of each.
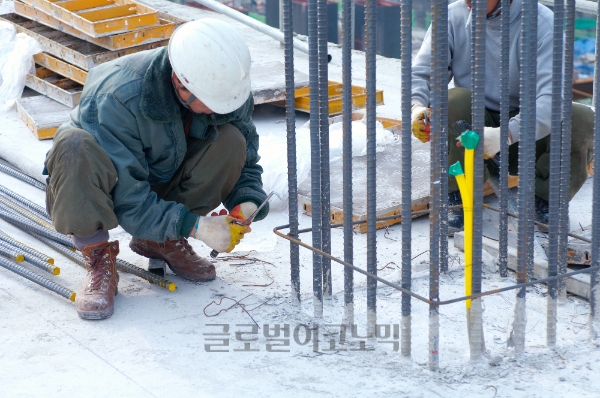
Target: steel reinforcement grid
(562, 66)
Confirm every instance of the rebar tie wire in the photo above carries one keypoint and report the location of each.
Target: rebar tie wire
(435, 302)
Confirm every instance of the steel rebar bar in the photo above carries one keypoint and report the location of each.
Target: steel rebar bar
(504, 119)
(28, 225)
(36, 262)
(6, 201)
(478, 48)
(11, 252)
(39, 210)
(10, 170)
(406, 57)
(290, 119)
(348, 28)
(555, 153)
(315, 156)
(565, 158)
(324, 144)
(370, 57)
(40, 280)
(443, 142)
(26, 249)
(434, 187)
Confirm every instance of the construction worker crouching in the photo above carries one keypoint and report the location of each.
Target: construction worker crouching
(459, 100)
(159, 139)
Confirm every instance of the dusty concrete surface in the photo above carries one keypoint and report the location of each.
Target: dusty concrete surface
(158, 343)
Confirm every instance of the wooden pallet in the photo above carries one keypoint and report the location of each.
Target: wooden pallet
(61, 67)
(359, 98)
(73, 50)
(42, 115)
(160, 33)
(98, 18)
(56, 87)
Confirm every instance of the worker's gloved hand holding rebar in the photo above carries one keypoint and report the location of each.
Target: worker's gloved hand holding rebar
(419, 117)
(491, 142)
(243, 211)
(220, 233)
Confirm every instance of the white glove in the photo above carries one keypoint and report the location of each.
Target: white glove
(420, 123)
(491, 142)
(243, 210)
(219, 232)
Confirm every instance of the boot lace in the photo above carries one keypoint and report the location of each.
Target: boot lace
(100, 270)
(185, 246)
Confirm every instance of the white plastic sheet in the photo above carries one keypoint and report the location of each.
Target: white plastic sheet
(16, 61)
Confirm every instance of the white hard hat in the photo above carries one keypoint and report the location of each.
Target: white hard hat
(212, 61)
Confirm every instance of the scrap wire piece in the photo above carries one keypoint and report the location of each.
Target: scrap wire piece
(236, 303)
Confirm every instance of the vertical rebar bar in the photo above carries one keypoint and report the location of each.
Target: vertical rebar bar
(347, 13)
(406, 58)
(434, 195)
(478, 45)
(290, 119)
(555, 153)
(443, 142)
(504, 119)
(565, 158)
(526, 152)
(594, 319)
(324, 140)
(371, 46)
(315, 157)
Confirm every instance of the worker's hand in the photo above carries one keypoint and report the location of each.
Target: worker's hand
(491, 142)
(420, 123)
(243, 211)
(220, 233)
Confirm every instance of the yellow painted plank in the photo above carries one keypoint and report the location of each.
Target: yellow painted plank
(359, 101)
(119, 41)
(117, 25)
(108, 13)
(61, 67)
(78, 5)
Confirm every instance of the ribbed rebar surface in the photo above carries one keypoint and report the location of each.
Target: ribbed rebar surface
(504, 119)
(371, 39)
(406, 56)
(290, 121)
(555, 153)
(315, 156)
(21, 176)
(324, 136)
(347, 12)
(40, 280)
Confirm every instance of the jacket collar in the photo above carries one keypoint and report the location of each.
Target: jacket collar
(158, 102)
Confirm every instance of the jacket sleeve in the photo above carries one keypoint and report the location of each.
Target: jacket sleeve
(138, 209)
(543, 104)
(249, 187)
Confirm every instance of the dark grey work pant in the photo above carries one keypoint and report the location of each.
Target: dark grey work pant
(582, 132)
(82, 178)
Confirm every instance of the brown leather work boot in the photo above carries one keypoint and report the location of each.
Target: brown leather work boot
(96, 296)
(180, 256)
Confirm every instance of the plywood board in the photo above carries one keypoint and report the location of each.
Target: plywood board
(160, 33)
(42, 115)
(56, 87)
(268, 82)
(98, 18)
(71, 49)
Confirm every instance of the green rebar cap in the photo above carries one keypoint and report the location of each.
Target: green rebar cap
(456, 169)
(469, 139)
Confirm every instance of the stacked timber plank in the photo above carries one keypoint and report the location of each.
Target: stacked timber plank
(76, 36)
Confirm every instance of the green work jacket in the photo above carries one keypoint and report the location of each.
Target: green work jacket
(129, 106)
